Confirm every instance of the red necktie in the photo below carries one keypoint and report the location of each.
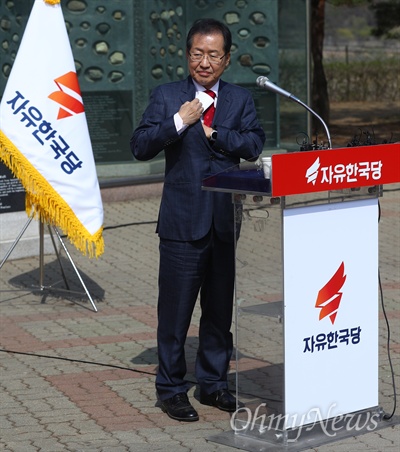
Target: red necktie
(209, 113)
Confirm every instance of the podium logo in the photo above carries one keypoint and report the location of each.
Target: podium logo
(68, 95)
(330, 295)
(312, 172)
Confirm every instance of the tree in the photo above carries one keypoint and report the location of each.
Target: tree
(387, 16)
(319, 91)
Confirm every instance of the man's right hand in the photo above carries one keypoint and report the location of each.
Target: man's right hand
(191, 112)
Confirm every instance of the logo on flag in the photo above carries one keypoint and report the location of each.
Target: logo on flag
(70, 104)
(330, 295)
(44, 137)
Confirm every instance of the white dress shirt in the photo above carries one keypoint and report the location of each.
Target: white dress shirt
(180, 127)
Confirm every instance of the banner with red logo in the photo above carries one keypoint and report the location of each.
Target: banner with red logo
(331, 310)
(335, 169)
(44, 138)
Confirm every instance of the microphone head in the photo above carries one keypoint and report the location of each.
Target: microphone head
(265, 82)
(261, 80)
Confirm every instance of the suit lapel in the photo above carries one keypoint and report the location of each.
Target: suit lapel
(224, 102)
(188, 91)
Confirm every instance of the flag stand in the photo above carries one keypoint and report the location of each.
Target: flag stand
(42, 287)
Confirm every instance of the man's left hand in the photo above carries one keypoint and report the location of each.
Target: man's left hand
(207, 131)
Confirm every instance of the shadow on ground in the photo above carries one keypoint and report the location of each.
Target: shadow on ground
(60, 280)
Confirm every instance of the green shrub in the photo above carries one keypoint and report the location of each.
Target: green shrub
(363, 81)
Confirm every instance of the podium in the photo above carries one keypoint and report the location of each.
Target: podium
(306, 296)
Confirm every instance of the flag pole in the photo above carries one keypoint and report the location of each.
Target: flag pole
(41, 254)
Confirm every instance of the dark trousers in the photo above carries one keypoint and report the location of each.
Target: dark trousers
(187, 268)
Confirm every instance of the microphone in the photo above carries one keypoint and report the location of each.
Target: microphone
(265, 82)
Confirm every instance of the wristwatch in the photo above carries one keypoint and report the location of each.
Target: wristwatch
(214, 135)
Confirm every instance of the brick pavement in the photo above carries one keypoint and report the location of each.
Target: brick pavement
(75, 380)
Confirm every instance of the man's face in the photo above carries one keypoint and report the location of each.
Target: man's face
(207, 73)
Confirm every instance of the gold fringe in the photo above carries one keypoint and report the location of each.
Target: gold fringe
(45, 203)
(52, 2)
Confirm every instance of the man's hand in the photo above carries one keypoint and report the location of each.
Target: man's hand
(191, 112)
(207, 131)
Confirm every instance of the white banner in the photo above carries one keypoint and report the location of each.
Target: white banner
(331, 309)
(44, 138)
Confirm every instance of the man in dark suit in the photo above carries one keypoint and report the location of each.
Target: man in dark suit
(196, 227)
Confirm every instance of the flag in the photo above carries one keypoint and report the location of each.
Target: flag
(44, 137)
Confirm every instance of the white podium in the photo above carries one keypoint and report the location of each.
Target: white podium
(306, 317)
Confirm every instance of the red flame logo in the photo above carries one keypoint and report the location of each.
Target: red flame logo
(329, 296)
(69, 104)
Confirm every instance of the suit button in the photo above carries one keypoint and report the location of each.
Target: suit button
(212, 157)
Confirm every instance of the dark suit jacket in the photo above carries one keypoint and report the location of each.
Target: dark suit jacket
(187, 212)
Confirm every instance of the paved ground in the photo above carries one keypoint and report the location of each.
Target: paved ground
(75, 380)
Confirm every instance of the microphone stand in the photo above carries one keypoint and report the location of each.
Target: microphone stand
(317, 116)
(264, 82)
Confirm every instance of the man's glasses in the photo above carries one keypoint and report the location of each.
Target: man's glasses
(197, 57)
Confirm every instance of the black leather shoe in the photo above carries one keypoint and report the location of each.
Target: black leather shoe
(179, 408)
(221, 399)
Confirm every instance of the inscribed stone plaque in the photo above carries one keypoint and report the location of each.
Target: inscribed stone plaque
(12, 193)
(109, 117)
